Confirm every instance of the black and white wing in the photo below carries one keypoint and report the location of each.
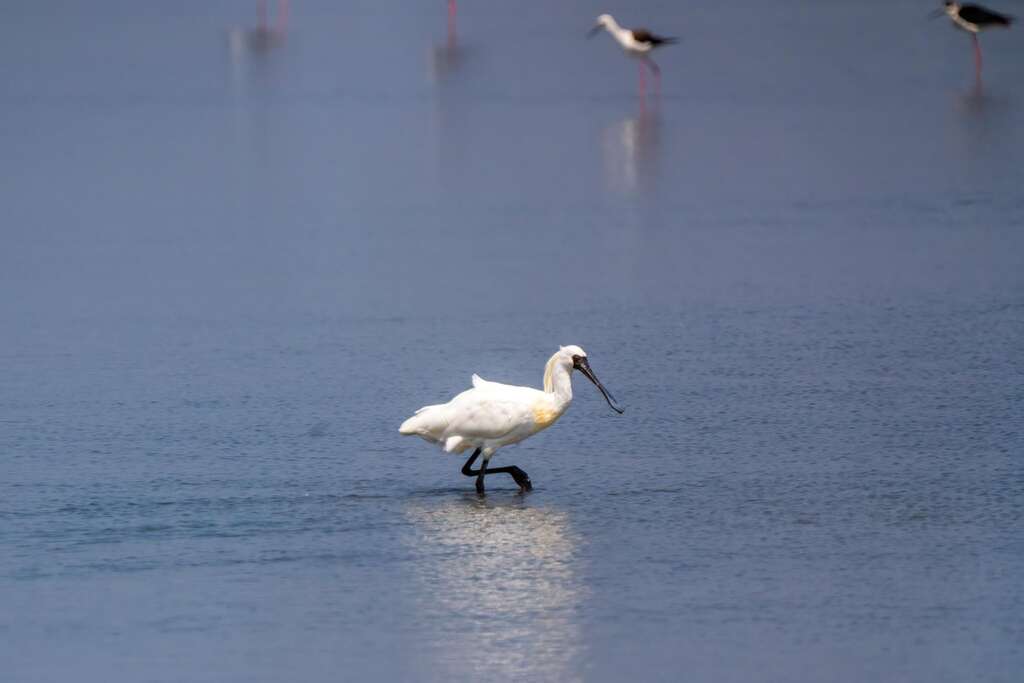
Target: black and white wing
(979, 16)
(642, 35)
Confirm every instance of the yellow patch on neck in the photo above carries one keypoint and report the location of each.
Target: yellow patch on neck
(549, 374)
(544, 414)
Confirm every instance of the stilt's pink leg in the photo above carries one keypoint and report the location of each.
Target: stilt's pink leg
(643, 80)
(657, 74)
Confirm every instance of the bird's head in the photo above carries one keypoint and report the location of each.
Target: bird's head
(605, 21)
(949, 7)
(577, 357)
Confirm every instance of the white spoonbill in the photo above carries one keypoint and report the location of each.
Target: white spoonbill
(637, 42)
(492, 415)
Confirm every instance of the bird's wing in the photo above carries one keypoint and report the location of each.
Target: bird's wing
(481, 413)
(642, 35)
(973, 14)
(481, 383)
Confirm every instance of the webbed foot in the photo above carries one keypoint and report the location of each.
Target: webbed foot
(522, 478)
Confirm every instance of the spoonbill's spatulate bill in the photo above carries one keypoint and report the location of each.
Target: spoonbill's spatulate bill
(492, 415)
(973, 19)
(637, 42)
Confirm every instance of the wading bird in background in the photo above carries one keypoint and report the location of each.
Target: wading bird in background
(636, 42)
(492, 415)
(973, 19)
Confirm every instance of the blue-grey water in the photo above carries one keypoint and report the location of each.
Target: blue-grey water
(228, 273)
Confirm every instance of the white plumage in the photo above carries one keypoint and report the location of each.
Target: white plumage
(624, 36)
(492, 414)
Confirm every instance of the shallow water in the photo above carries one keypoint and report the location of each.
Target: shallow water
(229, 276)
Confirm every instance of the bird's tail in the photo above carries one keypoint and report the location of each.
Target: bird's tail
(428, 422)
(668, 41)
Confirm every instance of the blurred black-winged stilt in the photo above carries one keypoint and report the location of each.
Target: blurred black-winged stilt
(636, 42)
(973, 19)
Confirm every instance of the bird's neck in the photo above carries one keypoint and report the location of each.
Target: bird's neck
(620, 34)
(612, 25)
(558, 381)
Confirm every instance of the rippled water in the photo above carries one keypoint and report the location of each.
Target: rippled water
(229, 275)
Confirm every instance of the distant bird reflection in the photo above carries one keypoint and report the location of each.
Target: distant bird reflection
(986, 117)
(500, 577)
(975, 98)
(631, 150)
(262, 38)
(447, 56)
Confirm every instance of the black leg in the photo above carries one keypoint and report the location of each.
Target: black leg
(519, 475)
(467, 468)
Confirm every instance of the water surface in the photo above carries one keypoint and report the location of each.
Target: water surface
(228, 275)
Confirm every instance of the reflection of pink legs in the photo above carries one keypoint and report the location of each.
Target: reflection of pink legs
(451, 22)
(282, 16)
(280, 21)
(977, 56)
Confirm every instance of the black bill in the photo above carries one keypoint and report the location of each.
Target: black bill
(581, 364)
(593, 32)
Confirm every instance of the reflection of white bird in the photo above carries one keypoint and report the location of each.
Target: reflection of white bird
(631, 151)
(492, 415)
(475, 572)
(637, 42)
